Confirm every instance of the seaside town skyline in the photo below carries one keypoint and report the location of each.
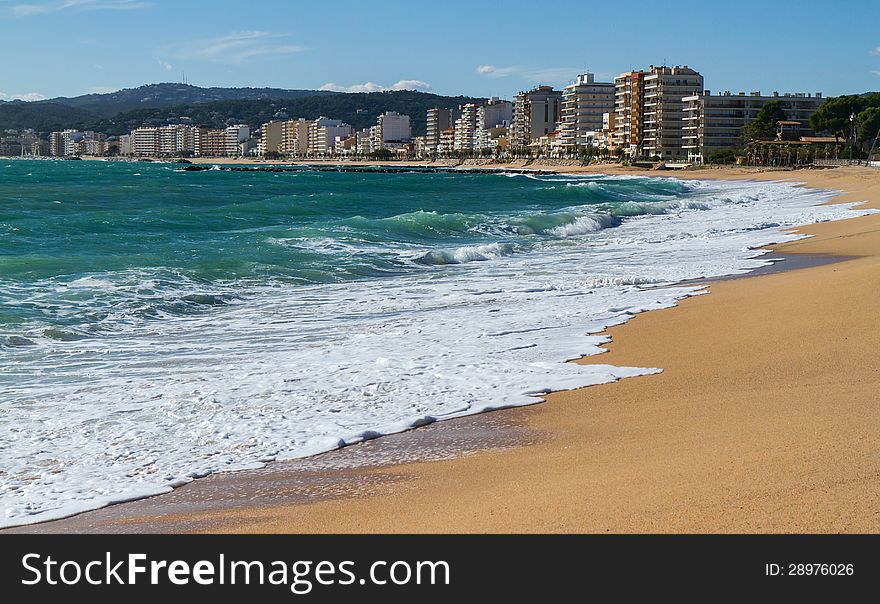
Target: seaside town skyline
(660, 113)
(279, 43)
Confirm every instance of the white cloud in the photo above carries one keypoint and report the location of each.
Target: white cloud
(102, 90)
(54, 6)
(411, 85)
(365, 87)
(168, 66)
(22, 96)
(492, 71)
(876, 73)
(236, 47)
(373, 87)
(876, 51)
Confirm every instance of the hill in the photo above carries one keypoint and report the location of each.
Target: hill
(170, 94)
(94, 112)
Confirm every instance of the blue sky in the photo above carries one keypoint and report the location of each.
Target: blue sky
(70, 47)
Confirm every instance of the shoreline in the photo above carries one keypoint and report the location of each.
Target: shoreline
(254, 517)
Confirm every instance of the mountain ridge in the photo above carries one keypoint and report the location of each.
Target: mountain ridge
(155, 104)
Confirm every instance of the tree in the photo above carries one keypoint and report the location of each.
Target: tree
(868, 122)
(763, 127)
(833, 116)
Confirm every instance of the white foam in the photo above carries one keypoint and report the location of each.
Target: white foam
(288, 372)
(582, 226)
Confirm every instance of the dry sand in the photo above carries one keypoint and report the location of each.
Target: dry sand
(765, 419)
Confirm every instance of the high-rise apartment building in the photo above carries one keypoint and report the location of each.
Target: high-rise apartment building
(535, 114)
(629, 119)
(493, 120)
(235, 136)
(438, 121)
(665, 91)
(323, 133)
(295, 137)
(395, 128)
(271, 138)
(583, 104)
(209, 142)
(465, 128)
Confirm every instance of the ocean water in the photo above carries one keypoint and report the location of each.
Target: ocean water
(158, 325)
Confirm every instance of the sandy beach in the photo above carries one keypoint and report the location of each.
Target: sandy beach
(764, 419)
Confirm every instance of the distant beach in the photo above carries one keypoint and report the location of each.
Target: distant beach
(760, 422)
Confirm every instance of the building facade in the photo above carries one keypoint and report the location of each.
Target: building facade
(209, 142)
(438, 121)
(535, 114)
(295, 137)
(665, 91)
(493, 121)
(271, 138)
(235, 136)
(583, 104)
(395, 128)
(629, 118)
(323, 134)
(715, 123)
(465, 128)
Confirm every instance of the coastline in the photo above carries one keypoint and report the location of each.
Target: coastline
(635, 460)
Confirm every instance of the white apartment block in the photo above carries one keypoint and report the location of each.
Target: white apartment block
(465, 128)
(176, 140)
(583, 104)
(395, 128)
(125, 144)
(438, 120)
(665, 91)
(145, 142)
(493, 120)
(323, 133)
(364, 145)
(714, 123)
(235, 136)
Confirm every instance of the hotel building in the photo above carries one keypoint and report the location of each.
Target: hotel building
(323, 133)
(665, 91)
(535, 114)
(394, 128)
(271, 138)
(438, 121)
(235, 136)
(145, 142)
(295, 137)
(209, 142)
(583, 104)
(465, 128)
(629, 119)
(493, 120)
(714, 123)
